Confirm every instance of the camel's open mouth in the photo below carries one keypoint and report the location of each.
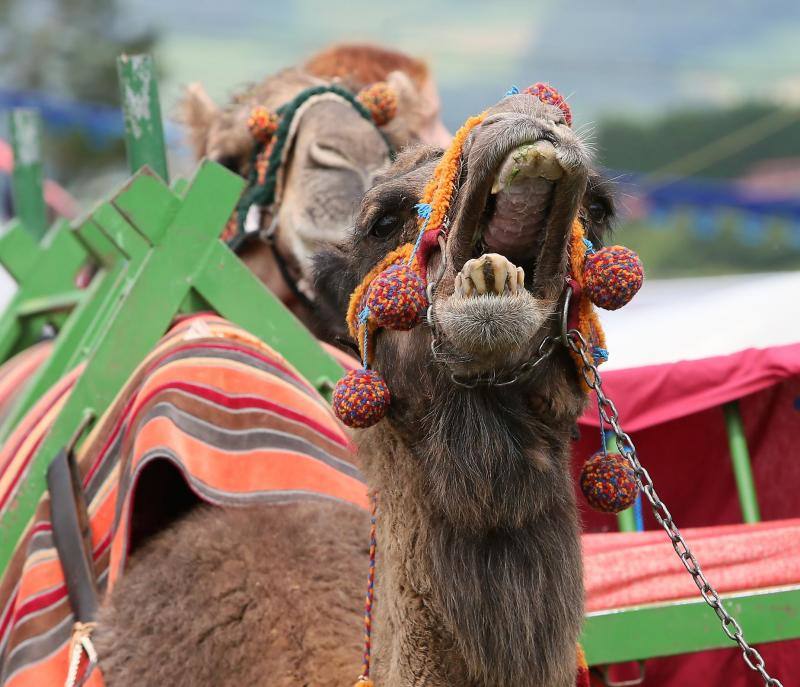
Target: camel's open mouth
(506, 252)
(514, 221)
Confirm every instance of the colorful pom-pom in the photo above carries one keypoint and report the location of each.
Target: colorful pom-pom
(396, 298)
(608, 483)
(381, 101)
(361, 398)
(364, 682)
(548, 94)
(262, 124)
(612, 276)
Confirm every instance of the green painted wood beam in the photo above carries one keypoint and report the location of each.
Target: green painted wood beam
(740, 459)
(18, 251)
(253, 307)
(685, 627)
(134, 306)
(144, 131)
(626, 520)
(27, 187)
(45, 284)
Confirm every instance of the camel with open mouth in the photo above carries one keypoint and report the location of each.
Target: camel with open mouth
(478, 571)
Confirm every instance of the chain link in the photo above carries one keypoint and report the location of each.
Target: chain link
(545, 350)
(608, 411)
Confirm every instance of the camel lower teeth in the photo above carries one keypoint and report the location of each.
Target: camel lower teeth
(491, 273)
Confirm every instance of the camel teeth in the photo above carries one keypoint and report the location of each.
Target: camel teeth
(520, 278)
(499, 266)
(476, 274)
(491, 273)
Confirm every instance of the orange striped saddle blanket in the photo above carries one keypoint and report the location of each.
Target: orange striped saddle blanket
(17, 371)
(217, 406)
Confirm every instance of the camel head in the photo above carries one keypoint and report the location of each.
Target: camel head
(332, 155)
(487, 424)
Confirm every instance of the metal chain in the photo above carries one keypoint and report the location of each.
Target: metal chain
(508, 377)
(608, 412)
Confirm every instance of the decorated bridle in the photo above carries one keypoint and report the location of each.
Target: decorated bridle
(395, 293)
(272, 133)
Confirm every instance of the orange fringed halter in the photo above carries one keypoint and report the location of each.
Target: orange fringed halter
(583, 314)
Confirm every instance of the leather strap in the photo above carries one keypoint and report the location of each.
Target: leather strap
(72, 535)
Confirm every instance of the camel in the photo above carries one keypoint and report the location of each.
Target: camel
(333, 158)
(478, 574)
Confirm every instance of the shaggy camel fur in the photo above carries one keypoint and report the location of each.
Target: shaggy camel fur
(479, 572)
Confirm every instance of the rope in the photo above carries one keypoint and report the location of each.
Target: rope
(364, 679)
(81, 641)
(717, 150)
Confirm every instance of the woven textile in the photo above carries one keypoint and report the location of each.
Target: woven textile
(234, 418)
(17, 371)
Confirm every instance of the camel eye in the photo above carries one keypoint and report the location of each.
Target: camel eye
(597, 212)
(385, 226)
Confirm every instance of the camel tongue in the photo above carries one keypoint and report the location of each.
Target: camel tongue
(523, 189)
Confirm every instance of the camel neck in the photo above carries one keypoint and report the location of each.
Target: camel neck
(473, 607)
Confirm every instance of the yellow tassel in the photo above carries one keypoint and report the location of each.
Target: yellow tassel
(364, 682)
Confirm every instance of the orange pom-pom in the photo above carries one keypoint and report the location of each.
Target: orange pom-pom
(364, 682)
(381, 101)
(396, 298)
(361, 398)
(612, 276)
(547, 94)
(262, 123)
(608, 483)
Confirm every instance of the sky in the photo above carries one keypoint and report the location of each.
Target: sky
(615, 56)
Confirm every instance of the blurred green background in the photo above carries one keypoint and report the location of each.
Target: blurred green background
(693, 106)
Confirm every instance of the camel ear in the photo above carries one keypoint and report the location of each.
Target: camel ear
(198, 112)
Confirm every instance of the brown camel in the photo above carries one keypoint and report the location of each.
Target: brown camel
(479, 571)
(333, 158)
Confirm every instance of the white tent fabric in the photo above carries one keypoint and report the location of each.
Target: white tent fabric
(691, 319)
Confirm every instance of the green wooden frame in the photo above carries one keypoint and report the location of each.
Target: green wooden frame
(684, 627)
(44, 263)
(172, 254)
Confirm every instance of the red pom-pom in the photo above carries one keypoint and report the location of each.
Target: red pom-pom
(548, 94)
(262, 123)
(381, 101)
(612, 276)
(397, 298)
(608, 483)
(361, 398)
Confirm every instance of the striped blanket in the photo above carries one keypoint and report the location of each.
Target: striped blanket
(17, 371)
(219, 407)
